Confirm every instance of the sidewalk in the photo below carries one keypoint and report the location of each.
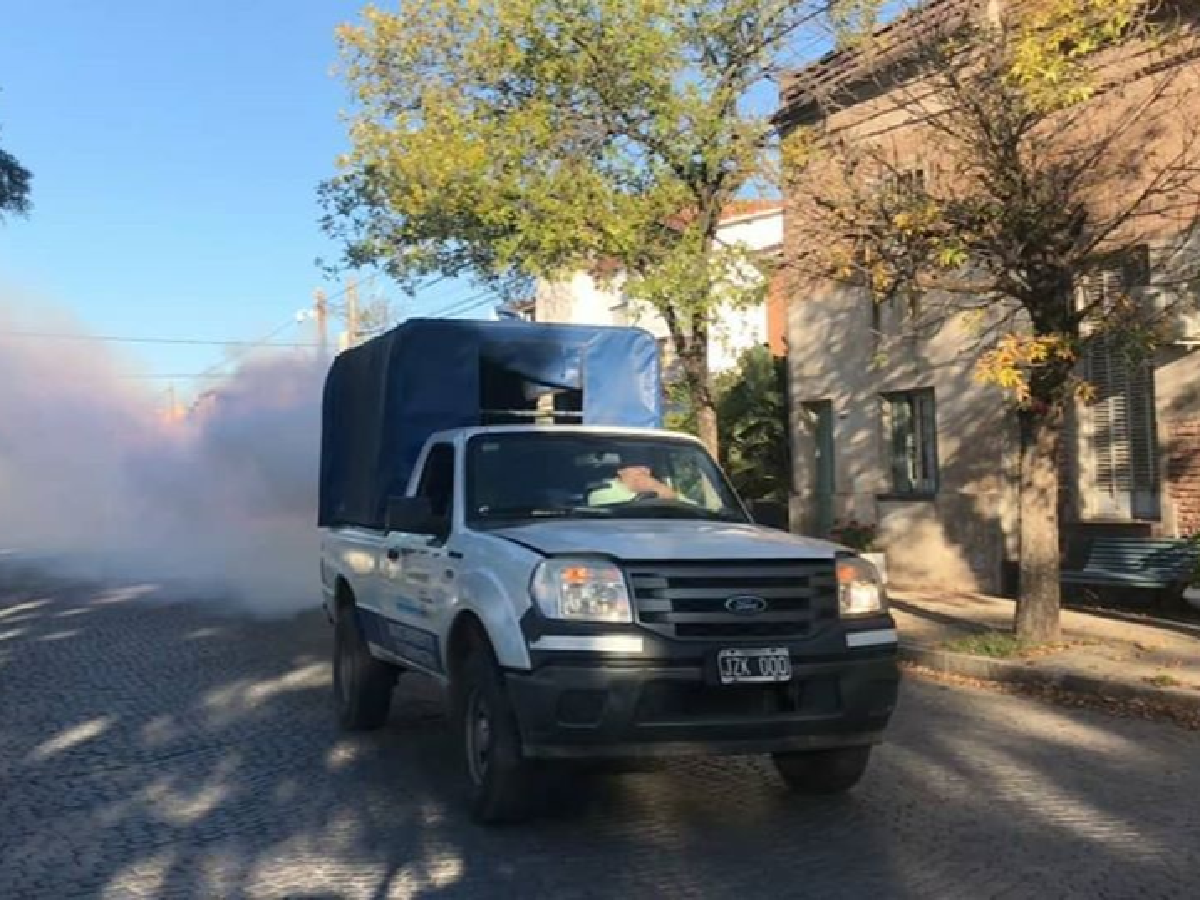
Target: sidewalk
(1132, 659)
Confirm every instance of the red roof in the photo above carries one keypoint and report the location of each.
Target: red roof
(737, 209)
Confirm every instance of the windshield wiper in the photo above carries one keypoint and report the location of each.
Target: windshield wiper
(542, 512)
(671, 509)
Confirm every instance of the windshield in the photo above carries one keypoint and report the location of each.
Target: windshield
(535, 475)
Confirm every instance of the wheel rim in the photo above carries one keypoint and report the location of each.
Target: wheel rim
(479, 737)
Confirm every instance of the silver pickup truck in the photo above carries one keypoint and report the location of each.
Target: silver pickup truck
(585, 584)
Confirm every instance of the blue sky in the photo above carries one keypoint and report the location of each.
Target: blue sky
(176, 148)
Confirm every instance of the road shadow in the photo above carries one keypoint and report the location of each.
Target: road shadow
(159, 748)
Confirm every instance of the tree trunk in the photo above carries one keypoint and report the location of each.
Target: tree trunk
(695, 372)
(1038, 607)
(706, 426)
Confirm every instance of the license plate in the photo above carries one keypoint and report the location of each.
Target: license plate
(753, 666)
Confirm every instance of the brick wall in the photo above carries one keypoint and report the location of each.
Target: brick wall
(1183, 472)
(777, 314)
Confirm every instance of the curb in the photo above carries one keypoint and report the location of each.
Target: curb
(1186, 702)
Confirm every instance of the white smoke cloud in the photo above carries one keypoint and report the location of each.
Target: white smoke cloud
(219, 505)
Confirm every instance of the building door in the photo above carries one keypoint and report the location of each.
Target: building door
(820, 424)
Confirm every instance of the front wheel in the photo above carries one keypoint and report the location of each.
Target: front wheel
(823, 772)
(362, 685)
(500, 780)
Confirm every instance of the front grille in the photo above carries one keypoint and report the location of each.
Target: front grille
(687, 600)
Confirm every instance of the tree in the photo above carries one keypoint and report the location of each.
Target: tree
(1064, 141)
(512, 139)
(14, 185)
(752, 415)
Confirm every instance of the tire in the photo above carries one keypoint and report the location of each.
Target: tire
(500, 781)
(362, 685)
(823, 772)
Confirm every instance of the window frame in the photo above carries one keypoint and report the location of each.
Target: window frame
(446, 520)
(471, 519)
(923, 428)
(1115, 446)
(1097, 447)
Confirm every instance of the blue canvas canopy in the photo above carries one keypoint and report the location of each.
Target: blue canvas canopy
(384, 398)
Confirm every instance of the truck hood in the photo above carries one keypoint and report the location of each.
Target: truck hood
(667, 540)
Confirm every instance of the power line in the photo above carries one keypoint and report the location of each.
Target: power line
(216, 368)
(153, 375)
(464, 304)
(107, 338)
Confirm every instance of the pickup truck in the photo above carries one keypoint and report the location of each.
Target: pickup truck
(585, 585)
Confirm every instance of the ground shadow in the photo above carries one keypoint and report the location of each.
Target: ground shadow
(158, 748)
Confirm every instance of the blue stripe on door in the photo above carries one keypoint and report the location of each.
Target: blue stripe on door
(414, 645)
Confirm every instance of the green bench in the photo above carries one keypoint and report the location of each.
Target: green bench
(1140, 563)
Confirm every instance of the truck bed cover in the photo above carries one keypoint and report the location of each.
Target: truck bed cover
(384, 398)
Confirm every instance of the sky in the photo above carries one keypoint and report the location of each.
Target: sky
(176, 149)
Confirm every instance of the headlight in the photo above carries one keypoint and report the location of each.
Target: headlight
(580, 590)
(860, 590)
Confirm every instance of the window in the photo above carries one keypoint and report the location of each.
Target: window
(908, 182)
(524, 476)
(1119, 443)
(437, 481)
(911, 433)
(1124, 274)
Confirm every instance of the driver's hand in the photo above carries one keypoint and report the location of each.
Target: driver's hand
(640, 481)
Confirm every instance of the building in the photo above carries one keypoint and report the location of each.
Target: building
(524, 309)
(596, 298)
(914, 443)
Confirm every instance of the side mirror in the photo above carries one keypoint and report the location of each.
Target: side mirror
(410, 515)
(769, 513)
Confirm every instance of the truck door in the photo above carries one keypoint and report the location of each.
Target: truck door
(418, 577)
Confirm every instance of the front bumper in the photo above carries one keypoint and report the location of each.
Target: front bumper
(599, 708)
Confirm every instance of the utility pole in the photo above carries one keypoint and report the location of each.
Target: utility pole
(321, 309)
(352, 312)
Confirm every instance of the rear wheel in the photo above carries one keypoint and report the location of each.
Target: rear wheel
(362, 685)
(500, 780)
(823, 772)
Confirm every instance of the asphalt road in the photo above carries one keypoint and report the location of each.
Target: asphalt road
(151, 748)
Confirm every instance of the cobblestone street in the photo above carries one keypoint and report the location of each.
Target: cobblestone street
(158, 749)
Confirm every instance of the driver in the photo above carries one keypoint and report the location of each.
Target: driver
(634, 478)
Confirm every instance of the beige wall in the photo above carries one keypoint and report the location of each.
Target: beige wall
(958, 539)
(955, 540)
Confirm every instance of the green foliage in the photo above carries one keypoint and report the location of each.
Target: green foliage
(1163, 680)
(511, 139)
(752, 418)
(854, 534)
(996, 644)
(1194, 577)
(681, 408)
(14, 185)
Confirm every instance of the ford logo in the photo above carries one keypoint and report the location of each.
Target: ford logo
(746, 606)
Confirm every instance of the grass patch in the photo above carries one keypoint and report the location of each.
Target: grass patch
(1006, 645)
(1163, 681)
(996, 644)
